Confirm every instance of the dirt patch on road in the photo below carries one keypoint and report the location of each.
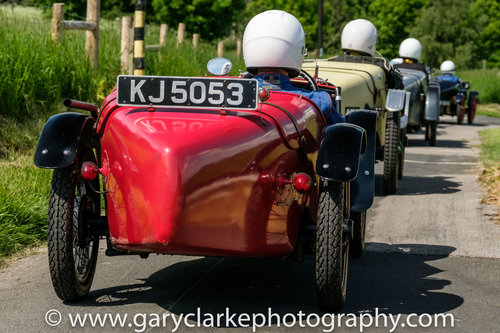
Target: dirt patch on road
(33, 249)
(490, 179)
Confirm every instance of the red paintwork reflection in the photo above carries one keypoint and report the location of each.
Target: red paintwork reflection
(198, 182)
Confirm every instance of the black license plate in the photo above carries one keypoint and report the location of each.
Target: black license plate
(187, 92)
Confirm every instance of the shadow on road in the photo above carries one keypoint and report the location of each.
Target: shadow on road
(400, 282)
(392, 282)
(453, 121)
(421, 185)
(417, 142)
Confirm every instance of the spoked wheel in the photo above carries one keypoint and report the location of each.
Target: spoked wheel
(471, 111)
(391, 153)
(461, 113)
(357, 246)
(432, 129)
(72, 249)
(332, 246)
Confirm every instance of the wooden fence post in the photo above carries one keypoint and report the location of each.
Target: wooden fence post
(220, 49)
(57, 20)
(92, 36)
(125, 44)
(196, 38)
(180, 33)
(163, 35)
(238, 49)
(139, 46)
(91, 25)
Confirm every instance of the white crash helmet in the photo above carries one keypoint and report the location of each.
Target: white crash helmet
(274, 39)
(359, 35)
(448, 67)
(410, 48)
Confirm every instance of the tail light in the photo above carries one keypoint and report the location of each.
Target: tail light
(89, 171)
(263, 94)
(301, 182)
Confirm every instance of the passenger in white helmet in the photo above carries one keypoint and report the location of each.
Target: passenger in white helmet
(274, 50)
(410, 51)
(359, 43)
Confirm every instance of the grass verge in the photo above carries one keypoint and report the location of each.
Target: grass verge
(486, 82)
(40, 74)
(24, 192)
(490, 157)
(490, 110)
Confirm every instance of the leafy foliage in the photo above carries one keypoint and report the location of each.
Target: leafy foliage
(444, 29)
(211, 19)
(394, 19)
(465, 31)
(486, 21)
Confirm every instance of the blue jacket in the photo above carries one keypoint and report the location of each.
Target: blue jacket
(276, 81)
(448, 78)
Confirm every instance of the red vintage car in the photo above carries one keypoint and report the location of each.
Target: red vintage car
(207, 166)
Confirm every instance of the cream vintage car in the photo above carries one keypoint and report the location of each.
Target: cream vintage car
(370, 83)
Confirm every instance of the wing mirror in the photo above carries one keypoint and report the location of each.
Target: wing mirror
(219, 66)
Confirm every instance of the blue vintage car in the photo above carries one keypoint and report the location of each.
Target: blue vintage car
(454, 100)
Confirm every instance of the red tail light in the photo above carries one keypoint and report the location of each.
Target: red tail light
(263, 94)
(301, 182)
(89, 171)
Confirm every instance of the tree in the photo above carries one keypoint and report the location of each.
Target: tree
(212, 19)
(394, 19)
(485, 15)
(336, 13)
(445, 31)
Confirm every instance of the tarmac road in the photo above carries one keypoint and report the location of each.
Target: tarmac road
(431, 249)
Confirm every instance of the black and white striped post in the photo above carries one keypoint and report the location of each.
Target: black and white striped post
(139, 45)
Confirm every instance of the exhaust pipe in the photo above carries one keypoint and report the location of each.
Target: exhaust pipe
(74, 104)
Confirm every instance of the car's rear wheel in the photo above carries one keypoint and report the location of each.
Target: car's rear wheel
(332, 246)
(432, 126)
(460, 113)
(357, 245)
(72, 248)
(471, 111)
(391, 153)
(402, 147)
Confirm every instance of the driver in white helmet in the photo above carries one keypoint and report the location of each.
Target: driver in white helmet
(359, 42)
(410, 51)
(274, 49)
(448, 70)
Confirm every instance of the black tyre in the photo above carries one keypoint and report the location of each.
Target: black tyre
(402, 147)
(460, 113)
(357, 245)
(391, 153)
(432, 132)
(332, 247)
(71, 247)
(471, 111)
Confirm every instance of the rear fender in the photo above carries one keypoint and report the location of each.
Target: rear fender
(338, 155)
(472, 96)
(432, 102)
(61, 135)
(363, 187)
